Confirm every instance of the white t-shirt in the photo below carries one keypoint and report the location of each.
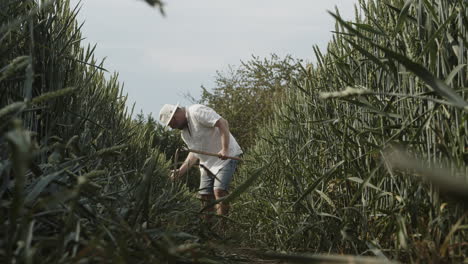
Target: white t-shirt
(202, 135)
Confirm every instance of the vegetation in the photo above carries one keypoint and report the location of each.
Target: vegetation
(327, 178)
(81, 180)
(363, 153)
(246, 95)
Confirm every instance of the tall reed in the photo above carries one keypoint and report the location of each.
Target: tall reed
(81, 180)
(331, 184)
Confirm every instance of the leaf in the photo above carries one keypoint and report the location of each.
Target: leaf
(309, 190)
(370, 29)
(361, 188)
(444, 179)
(243, 187)
(326, 198)
(372, 108)
(403, 16)
(318, 181)
(359, 180)
(40, 185)
(436, 84)
(440, 31)
(397, 10)
(329, 215)
(18, 22)
(453, 229)
(365, 53)
(453, 73)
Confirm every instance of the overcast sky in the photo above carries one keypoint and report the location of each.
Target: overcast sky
(160, 59)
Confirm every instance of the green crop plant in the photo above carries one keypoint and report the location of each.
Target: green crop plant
(391, 84)
(81, 180)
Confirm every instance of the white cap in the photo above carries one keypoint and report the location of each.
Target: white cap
(166, 113)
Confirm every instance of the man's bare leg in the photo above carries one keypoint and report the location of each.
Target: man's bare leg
(206, 199)
(222, 208)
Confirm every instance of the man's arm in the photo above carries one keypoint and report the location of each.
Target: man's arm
(188, 163)
(223, 126)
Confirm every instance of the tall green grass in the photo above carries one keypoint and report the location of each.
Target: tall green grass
(81, 181)
(332, 183)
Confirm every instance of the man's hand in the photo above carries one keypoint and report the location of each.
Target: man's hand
(223, 154)
(223, 127)
(174, 174)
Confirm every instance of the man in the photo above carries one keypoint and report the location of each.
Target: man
(205, 130)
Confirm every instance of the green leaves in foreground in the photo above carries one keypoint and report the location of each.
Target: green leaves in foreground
(419, 70)
(405, 68)
(74, 184)
(451, 184)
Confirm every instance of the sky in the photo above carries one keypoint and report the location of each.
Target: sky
(161, 59)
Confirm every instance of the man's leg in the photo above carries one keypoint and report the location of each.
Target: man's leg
(221, 185)
(222, 208)
(206, 194)
(206, 199)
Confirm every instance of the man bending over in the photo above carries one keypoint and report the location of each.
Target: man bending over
(205, 130)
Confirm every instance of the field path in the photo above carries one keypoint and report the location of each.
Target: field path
(232, 254)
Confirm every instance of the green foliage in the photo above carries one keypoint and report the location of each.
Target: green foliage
(245, 96)
(332, 186)
(167, 140)
(81, 181)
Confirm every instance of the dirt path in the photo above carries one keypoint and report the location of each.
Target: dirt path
(232, 254)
